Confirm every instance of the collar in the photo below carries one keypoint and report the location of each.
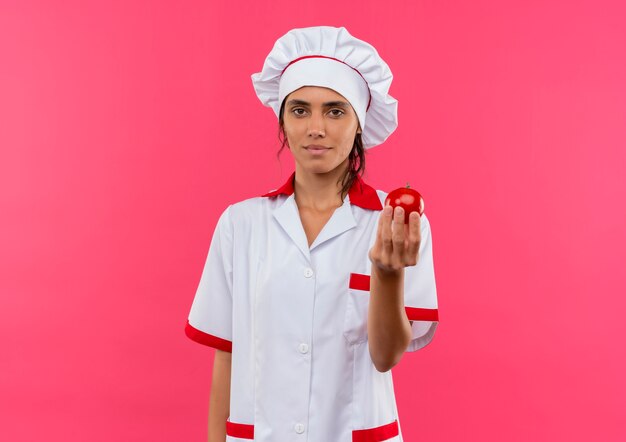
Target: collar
(360, 194)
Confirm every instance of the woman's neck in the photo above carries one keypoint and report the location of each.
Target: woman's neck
(318, 191)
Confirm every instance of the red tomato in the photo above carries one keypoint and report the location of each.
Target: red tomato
(409, 199)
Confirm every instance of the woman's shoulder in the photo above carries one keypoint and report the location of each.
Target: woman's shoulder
(252, 208)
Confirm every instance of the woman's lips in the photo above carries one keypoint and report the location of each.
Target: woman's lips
(317, 150)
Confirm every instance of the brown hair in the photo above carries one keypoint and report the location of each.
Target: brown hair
(356, 159)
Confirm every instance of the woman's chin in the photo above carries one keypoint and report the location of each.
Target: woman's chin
(317, 170)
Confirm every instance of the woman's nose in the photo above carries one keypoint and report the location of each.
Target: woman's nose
(316, 133)
(316, 126)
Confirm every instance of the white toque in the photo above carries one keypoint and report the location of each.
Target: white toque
(331, 57)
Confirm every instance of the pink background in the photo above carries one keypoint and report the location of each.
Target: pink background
(126, 127)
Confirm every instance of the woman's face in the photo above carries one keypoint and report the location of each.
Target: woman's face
(320, 126)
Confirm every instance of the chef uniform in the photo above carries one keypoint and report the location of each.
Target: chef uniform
(294, 317)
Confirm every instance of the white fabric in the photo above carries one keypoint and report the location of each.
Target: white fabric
(381, 118)
(299, 333)
(327, 73)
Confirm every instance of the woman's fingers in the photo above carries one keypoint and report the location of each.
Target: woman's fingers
(379, 230)
(398, 236)
(386, 231)
(397, 243)
(414, 239)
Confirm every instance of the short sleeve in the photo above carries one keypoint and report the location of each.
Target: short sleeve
(210, 318)
(420, 292)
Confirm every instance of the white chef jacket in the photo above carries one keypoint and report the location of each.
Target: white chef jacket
(295, 319)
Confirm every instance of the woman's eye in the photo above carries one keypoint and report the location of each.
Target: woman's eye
(336, 112)
(298, 111)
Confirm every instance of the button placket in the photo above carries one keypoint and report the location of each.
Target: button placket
(304, 349)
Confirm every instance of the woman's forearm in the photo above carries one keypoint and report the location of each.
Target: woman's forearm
(388, 328)
(219, 401)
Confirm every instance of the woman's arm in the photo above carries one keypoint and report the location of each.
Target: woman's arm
(388, 326)
(219, 401)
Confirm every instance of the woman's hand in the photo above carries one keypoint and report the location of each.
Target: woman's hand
(397, 244)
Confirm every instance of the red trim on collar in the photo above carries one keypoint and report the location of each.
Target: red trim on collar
(361, 194)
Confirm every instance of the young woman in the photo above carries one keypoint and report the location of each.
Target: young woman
(312, 292)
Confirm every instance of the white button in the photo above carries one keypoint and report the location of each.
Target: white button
(308, 272)
(304, 348)
(299, 428)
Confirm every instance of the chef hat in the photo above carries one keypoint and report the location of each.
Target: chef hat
(331, 57)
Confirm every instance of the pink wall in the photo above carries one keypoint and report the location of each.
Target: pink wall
(121, 141)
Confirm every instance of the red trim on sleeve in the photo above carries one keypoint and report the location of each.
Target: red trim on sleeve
(207, 339)
(359, 281)
(376, 434)
(422, 314)
(242, 431)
